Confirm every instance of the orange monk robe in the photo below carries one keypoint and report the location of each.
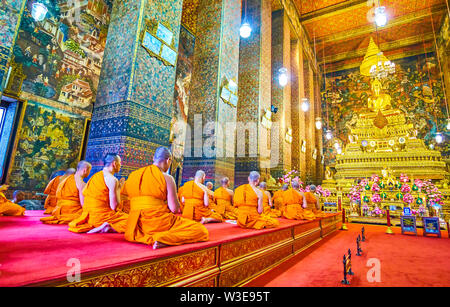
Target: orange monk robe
(277, 199)
(9, 208)
(180, 199)
(246, 200)
(194, 205)
(50, 190)
(293, 202)
(267, 209)
(224, 204)
(96, 208)
(68, 206)
(150, 218)
(312, 201)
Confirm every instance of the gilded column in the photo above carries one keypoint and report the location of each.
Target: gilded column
(254, 93)
(210, 143)
(134, 106)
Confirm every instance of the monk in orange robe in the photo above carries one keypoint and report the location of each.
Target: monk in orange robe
(224, 200)
(196, 201)
(267, 202)
(212, 202)
(50, 190)
(313, 203)
(295, 203)
(277, 198)
(69, 196)
(101, 199)
(154, 202)
(7, 207)
(249, 201)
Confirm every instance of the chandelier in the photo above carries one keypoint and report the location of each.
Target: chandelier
(382, 69)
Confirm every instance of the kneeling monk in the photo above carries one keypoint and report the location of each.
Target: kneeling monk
(101, 199)
(7, 207)
(224, 200)
(52, 186)
(69, 196)
(277, 198)
(267, 202)
(249, 201)
(313, 202)
(151, 220)
(197, 201)
(295, 203)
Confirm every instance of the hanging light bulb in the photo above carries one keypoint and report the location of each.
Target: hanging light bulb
(38, 11)
(282, 77)
(329, 135)
(318, 123)
(245, 30)
(305, 105)
(439, 138)
(380, 16)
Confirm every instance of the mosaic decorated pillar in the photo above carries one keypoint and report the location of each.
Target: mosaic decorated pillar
(297, 115)
(281, 96)
(210, 139)
(311, 145)
(254, 93)
(319, 133)
(134, 106)
(10, 12)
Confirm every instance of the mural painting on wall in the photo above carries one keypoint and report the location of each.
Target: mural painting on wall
(9, 10)
(181, 96)
(49, 140)
(415, 88)
(62, 54)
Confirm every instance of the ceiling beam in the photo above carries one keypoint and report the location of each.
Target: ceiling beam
(367, 29)
(332, 10)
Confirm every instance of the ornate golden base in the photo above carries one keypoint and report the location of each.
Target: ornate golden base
(224, 265)
(389, 230)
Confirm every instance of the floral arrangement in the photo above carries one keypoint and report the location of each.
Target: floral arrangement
(408, 198)
(377, 211)
(289, 177)
(434, 196)
(375, 187)
(405, 188)
(376, 198)
(375, 178)
(404, 178)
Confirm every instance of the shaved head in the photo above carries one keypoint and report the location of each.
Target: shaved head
(200, 174)
(284, 187)
(70, 171)
(110, 158)
(263, 185)
(161, 153)
(312, 188)
(254, 176)
(295, 184)
(83, 164)
(209, 185)
(225, 180)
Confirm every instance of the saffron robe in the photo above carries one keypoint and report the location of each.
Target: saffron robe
(9, 208)
(68, 206)
(50, 190)
(293, 209)
(96, 209)
(194, 206)
(312, 201)
(277, 199)
(267, 209)
(224, 204)
(150, 218)
(246, 200)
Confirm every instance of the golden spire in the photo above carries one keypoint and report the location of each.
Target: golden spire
(372, 57)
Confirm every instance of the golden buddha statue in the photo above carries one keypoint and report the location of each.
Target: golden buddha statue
(379, 101)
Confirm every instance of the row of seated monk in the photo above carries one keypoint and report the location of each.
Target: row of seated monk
(147, 207)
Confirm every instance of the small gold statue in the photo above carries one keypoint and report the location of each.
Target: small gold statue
(379, 101)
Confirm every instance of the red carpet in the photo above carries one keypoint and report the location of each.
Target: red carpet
(33, 252)
(405, 260)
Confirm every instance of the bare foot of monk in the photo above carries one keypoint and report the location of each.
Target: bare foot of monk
(206, 220)
(157, 245)
(104, 228)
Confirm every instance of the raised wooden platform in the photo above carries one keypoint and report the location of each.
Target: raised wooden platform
(226, 264)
